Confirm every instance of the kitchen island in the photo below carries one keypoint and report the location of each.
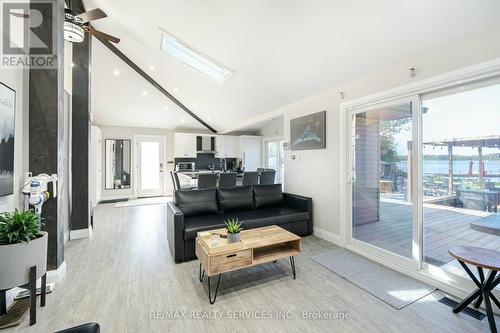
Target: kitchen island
(190, 178)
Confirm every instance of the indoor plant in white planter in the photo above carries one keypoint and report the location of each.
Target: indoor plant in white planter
(22, 246)
(233, 228)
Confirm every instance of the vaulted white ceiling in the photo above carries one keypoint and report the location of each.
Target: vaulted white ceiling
(280, 50)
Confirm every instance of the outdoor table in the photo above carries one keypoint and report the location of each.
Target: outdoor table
(482, 259)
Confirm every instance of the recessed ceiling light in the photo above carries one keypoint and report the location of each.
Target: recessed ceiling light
(165, 108)
(194, 58)
(183, 120)
(194, 106)
(209, 119)
(116, 72)
(176, 89)
(144, 93)
(151, 67)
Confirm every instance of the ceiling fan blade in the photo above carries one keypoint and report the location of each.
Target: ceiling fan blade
(91, 15)
(20, 15)
(100, 34)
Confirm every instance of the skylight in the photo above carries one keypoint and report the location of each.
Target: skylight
(193, 58)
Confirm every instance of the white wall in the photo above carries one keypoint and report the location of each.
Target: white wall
(273, 128)
(111, 132)
(317, 172)
(17, 79)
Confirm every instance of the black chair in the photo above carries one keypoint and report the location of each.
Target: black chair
(261, 169)
(267, 177)
(85, 328)
(207, 180)
(175, 180)
(177, 183)
(250, 178)
(227, 179)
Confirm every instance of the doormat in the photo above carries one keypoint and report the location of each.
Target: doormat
(144, 202)
(391, 287)
(112, 201)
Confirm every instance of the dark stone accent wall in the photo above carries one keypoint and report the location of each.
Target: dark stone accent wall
(80, 145)
(46, 94)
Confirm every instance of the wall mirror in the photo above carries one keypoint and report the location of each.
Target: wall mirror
(117, 164)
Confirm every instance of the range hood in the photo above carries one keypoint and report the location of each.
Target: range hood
(205, 144)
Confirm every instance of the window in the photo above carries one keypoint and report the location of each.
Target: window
(193, 58)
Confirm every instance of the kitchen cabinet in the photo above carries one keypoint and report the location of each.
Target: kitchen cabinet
(248, 148)
(184, 145)
(251, 152)
(228, 146)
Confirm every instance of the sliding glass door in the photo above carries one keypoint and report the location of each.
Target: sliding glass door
(461, 171)
(425, 176)
(384, 168)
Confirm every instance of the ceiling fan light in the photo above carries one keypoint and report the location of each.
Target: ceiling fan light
(73, 33)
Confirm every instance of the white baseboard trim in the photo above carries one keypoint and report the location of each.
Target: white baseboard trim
(327, 235)
(80, 233)
(117, 197)
(56, 275)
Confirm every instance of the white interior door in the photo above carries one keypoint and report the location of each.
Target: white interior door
(274, 158)
(150, 166)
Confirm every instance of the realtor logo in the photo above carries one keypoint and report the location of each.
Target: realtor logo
(29, 33)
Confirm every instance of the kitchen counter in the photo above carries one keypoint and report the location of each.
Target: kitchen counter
(194, 174)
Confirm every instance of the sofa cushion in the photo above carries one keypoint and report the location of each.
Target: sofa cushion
(235, 198)
(250, 219)
(195, 224)
(197, 202)
(268, 195)
(288, 215)
(284, 214)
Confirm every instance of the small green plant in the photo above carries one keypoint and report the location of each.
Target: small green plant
(233, 226)
(19, 227)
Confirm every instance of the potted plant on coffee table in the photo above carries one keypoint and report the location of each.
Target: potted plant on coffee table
(233, 227)
(23, 250)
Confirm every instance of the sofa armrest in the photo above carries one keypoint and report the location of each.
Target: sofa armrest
(301, 203)
(175, 231)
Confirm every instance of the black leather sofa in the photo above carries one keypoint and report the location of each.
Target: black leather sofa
(256, 206)
(85, 328)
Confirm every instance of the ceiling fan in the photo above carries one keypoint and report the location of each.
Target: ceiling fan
(75, 26)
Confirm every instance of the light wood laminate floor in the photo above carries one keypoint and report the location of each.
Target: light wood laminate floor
(124, 272)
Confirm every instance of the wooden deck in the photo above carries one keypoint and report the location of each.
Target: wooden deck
(443, 227)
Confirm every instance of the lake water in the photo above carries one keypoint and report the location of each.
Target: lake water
(459, 167)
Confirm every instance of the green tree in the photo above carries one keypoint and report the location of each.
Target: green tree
(387, 130)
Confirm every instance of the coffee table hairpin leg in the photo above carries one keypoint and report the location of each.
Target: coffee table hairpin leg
(202, 274)
(212, 301)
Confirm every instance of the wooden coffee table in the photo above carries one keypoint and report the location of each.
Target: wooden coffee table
(257, 246)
